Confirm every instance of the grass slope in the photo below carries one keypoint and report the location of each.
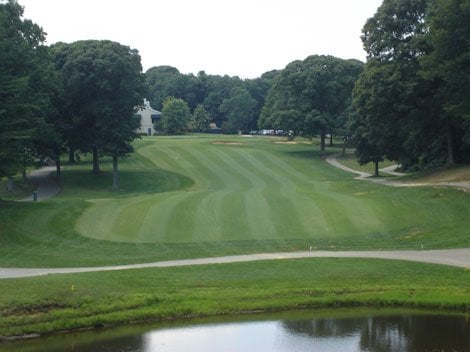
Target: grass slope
(202, 196)
(60, 302)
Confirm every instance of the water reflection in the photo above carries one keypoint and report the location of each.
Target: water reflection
(292, 332)
(391, 333)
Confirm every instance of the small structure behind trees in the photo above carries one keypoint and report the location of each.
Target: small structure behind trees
(148, 117)
(410, 101)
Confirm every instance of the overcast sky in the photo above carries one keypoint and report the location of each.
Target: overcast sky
(242, 38)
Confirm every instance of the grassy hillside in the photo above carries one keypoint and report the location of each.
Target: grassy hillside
(61, 302)
(201, 196)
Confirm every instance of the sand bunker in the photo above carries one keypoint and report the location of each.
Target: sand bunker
(285, 142)
(228, 143)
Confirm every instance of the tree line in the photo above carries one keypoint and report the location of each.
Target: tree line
(231, 103)
(410, 102)
(65, 97)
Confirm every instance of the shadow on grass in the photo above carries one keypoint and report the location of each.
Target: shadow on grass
(80, 182)
(304, 154)
(456, 173)
(21, 188)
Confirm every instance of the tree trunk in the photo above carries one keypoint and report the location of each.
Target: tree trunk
(96, 161)
(10, 187)
(331, 139)
(376, 171)
(23, 171)
(71, 155)
(57, 166)
(344, 146)
(115, 173)
(322, 143)
(450, 145)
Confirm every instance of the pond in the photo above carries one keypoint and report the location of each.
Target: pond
(344, 330)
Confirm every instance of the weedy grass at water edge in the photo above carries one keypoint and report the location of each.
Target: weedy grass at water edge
(66, 302)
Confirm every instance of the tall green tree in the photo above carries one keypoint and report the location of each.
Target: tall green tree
(24, 85)
(448, 64)
(67, 118)
(310, 96)
(220, 88)
(102, 85)
(166, 81)
(201, 119)
(258, 89)
(239, 108)
(175, 116)
(395, 32)
(395, 109)
(372, 124)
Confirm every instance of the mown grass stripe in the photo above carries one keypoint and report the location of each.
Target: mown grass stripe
(232, 196)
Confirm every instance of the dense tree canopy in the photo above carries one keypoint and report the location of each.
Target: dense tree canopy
(311, 96)
(25, 86)
(102, 84)
(210, 91)
(448, 64)
(410, 102)
(200, 120)
(176, 116)
(407, 102)
(239, 109)
(167, 81)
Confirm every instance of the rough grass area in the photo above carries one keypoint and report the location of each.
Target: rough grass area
(459, 173)
(63, 302)
(22, 188)
(188, 197)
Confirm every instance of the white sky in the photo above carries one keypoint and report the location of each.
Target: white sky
(242, 38)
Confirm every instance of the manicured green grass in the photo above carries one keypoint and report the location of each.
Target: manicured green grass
(199, 196)
(60, 302)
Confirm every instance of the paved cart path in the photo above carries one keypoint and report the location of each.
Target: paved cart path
(452, 257)
(47, 186)
(331, 159)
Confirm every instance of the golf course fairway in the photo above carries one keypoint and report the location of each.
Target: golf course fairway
(205, 196)
(201, 195)
(250, 190)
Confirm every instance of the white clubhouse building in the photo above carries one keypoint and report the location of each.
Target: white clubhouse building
(148, 116)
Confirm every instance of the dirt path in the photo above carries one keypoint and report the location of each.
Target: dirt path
(364, 176)
(47, 186)
(452, 257)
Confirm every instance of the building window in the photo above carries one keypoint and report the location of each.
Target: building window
(155, 117)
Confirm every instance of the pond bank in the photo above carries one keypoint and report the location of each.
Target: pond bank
(67, 302)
